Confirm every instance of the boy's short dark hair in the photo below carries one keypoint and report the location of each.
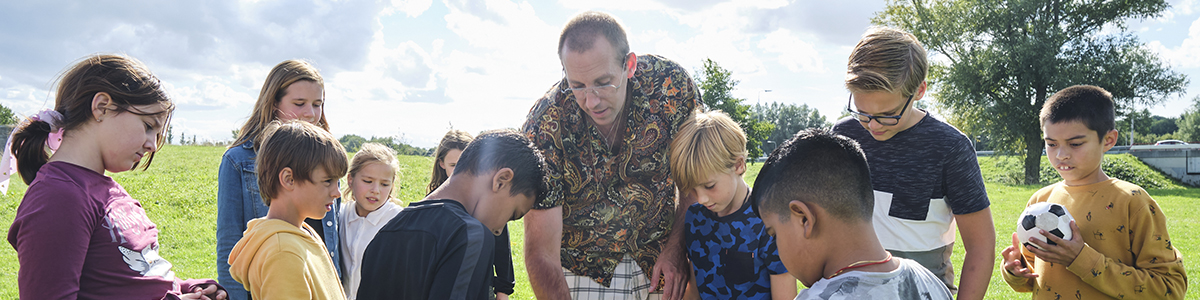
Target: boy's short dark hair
(818, 167)
(1088, 104)
(507, 148)
(301, 146)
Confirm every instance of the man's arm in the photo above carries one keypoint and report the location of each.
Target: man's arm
(543, 242)
(979, 242)
(672, 261)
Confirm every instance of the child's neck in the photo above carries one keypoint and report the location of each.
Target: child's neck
(847, 253)
(80, 152)
(284, 211)
(458, 189)
(1095, 177)
(739, 198)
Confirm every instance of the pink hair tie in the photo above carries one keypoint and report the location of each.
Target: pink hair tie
(8, 162)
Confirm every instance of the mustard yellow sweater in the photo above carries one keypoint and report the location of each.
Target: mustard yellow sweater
(1128, 254)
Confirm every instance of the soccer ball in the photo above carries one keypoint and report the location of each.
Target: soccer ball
(1051, 217)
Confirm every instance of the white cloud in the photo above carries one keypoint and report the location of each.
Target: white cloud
(1187, 55)
(411, 8)
(796, 54)
(207, 94)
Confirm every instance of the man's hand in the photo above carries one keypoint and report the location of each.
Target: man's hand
(1064, 252)
(673, 266)
(1014, 262)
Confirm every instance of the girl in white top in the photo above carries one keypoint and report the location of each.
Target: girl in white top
(372, 171)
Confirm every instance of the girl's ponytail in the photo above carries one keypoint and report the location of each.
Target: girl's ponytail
(29, 148)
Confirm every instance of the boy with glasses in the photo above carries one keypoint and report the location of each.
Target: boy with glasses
(924, 173)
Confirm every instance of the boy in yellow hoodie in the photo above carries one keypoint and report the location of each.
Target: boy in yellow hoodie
(1119, 247)
(279, 256)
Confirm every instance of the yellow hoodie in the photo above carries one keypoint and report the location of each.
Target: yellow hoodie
(275, 260)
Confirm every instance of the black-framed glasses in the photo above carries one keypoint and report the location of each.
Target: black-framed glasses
(882, 120)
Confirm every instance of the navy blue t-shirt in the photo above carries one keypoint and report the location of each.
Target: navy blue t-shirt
(732, 255)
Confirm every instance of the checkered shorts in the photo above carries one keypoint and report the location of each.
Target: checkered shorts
(629, 282)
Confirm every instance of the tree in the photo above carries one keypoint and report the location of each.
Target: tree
(170, 134)
(1142, 120)
(1189, 123)
(7, 117)
(1163, 125)
(352, 142)
(1004, 58)
(788, 119)
(716, 89)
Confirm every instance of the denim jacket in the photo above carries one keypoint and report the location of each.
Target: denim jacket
(238, 202)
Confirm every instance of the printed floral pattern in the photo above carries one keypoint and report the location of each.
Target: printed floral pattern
(620, 201)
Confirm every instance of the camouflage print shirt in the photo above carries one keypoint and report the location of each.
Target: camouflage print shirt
(621, 201)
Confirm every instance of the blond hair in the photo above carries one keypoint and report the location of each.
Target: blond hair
(889, 60)
(454, 139)
(371, 153)
(708, 143)
(274, 88)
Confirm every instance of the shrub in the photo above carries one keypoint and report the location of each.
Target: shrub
(1010, 170)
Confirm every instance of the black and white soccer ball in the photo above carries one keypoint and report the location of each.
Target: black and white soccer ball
(1051, 217)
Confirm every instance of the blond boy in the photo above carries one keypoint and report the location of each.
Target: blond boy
(926, 178)
(731, 256)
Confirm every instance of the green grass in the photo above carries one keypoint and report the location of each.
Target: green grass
(179, 194)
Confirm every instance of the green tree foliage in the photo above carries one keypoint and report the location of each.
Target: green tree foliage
(6, 116)
(716, 88)
(1164, 125)
(788, 119)
(1002, 59)
(1189, 123)
(352, 142)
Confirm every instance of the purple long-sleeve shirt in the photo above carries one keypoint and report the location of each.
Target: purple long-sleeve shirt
(79, 235)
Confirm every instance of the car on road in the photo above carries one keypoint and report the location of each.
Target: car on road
(1171, 142)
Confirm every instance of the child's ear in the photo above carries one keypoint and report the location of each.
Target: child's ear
(101, 104)
(1110, 140)
(739, 165)
(920, 93)
(803, 213)
(502, 179)
(286, 178)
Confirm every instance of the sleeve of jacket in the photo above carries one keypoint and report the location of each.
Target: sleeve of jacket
(1156, 273)
(230, 223)
(505, 280)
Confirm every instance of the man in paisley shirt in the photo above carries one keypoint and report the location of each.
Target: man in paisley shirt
(605, 230)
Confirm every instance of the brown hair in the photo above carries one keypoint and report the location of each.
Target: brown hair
(454, 139)
(371, 153)
(1088, 104)
(298, 145)
(887, 59)
(580, 33)
(127, 82)
(274, 88)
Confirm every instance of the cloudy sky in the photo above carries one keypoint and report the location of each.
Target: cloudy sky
(414, 68)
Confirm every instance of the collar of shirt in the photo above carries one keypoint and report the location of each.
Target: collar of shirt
(375, 217)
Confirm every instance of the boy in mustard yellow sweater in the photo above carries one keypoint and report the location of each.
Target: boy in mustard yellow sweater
(279, 256)
(1120, 248)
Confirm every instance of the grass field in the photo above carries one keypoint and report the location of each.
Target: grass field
(179, 194)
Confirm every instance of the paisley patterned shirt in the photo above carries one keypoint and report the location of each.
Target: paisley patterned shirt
(621, 201)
